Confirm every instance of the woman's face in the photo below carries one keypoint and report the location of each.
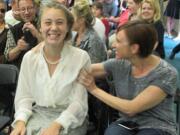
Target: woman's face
(2, 12)
(96, 12)
(147, 12)
(132, 6)
(121, 46)
(54, 26)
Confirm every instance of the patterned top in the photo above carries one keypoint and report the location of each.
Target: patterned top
(94, 46)
(163, 76)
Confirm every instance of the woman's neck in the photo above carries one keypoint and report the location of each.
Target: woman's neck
(81, 31)
(80, 35)
(142, 66)
(53, 52)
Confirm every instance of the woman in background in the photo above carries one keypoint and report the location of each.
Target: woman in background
(150, 11)
(172, 12)
(86, 37)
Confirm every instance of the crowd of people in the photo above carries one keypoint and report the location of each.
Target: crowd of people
(65, 51)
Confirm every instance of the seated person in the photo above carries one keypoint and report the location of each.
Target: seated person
(86, 37)
(3, 30)
(24, 35)
(145, 84)
(47, 79)
(12, 17)
(150, 11)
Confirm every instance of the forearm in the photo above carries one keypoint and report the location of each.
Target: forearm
(122, 105)
(13, 54)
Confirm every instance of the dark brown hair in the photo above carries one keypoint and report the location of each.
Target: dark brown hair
(142, 33)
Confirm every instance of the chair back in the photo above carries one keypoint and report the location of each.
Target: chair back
(8, 81)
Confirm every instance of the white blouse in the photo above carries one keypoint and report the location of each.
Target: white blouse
(61, 89)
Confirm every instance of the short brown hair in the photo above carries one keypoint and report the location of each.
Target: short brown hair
(142, 33)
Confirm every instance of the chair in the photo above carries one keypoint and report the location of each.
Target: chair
(8, 80)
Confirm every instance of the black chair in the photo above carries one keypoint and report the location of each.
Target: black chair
(8, 81)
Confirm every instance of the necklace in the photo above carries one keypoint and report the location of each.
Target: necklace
(50, 62)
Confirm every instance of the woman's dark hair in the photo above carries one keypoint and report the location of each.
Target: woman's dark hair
(98, 5)
(142, 33)
(67, 13)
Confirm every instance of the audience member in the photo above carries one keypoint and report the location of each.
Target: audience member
(123, 15)
(145, 84)
(172, 12)
(110, 8)
(132, 12)
(97, 9)
(48, 79)
(86, 37)
(23, 36)
(12, 17)
(150, 11)
(3, 30)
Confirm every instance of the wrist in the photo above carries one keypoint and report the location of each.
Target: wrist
(20, 123)
(57, 126)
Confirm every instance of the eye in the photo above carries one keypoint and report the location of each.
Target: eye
(59, 22)
(47, 22)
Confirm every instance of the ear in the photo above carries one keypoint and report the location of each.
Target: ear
(134, 48)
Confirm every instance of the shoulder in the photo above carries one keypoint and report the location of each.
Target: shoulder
(158, 24)
(166, 69)
(77, 52)
(117, 64)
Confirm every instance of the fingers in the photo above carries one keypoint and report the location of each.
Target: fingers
(85, 77)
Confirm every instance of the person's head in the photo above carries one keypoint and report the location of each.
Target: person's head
(133, 5)
(55, 22)
(2, 10)
(27, 10)
(150, 10)
(82, 15)
(97, 9)
(15, 9)
(135, 38)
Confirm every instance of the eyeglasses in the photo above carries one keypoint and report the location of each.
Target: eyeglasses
(28, 9)
(2, 11)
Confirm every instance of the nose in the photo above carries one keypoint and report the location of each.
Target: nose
(114, 44)
(53, 26)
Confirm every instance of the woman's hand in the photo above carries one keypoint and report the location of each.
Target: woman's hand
(85, 78)
(19, 129)
(53, 129)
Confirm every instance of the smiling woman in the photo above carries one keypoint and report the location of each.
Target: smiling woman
(150, 11)
(48, 79)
